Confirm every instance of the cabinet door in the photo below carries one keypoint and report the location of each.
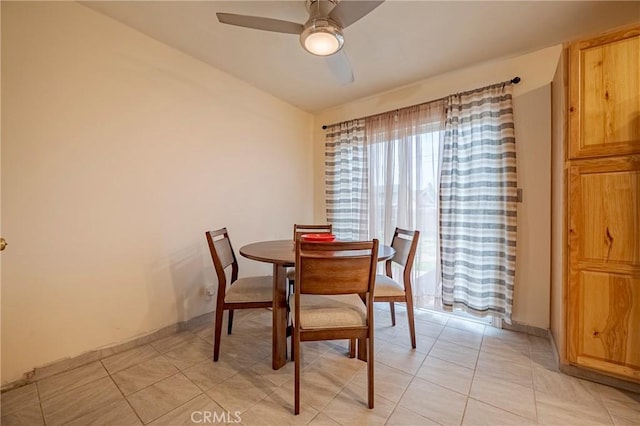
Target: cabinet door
(603, 297)
(604, 95)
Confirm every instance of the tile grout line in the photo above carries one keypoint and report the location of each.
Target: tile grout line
(533, 382)
(396, 404)
(120, 390)
(345, 386)
(248, 367)
(44, 421)
(414, 377)
(77, 387)
(473, 376)
(502, 408)
(342, 388)
(606, 407)
(160, 355)
(163, 414)
(175, 408)
(202, 392)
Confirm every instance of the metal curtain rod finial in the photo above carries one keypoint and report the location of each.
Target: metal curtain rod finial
(516, 80)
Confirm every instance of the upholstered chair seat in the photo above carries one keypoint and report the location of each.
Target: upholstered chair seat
(320, 311)
(250, 289)
(386, 286)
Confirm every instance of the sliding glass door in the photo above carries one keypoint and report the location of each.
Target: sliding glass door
(403, 182)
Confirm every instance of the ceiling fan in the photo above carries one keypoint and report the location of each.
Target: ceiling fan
(321, 35)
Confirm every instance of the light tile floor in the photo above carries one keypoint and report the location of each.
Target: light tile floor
(462, 373)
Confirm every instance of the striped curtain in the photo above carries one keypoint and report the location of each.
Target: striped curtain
(346, 179)
(478, 187)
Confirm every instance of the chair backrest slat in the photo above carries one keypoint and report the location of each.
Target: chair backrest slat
(223, 248)
(336, 267)
(222, 255)
(404, 243)
(311, 229)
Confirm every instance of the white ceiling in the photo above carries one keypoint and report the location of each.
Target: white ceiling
(398, 43)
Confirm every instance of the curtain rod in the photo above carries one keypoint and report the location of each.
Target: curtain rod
(514, 80)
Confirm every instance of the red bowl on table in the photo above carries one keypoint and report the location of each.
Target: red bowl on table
(326, 238)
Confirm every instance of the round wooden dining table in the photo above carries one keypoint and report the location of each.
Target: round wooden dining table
(282, 254)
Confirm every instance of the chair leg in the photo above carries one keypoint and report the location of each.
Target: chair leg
(352, 348)
(230, 325)
(290, 333)
(296, 360)
(362, 350)
(370, 375)
(293, 350)
(392, 308)
(290, 325)
(412, 326)
(217, 333)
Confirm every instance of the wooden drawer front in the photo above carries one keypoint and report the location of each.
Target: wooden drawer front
(609, 323)
(605, 96)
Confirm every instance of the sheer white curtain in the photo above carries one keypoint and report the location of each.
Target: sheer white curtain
(403, 161)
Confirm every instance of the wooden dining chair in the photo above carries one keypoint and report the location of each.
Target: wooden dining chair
(333, 299)
(241, 293)
(299, 230)
(389, 290)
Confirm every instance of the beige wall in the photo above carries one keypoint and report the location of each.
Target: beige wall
(118, 152)
(532, 113)
(558, 97)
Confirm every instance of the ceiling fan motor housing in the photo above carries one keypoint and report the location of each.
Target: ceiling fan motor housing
(317, 8)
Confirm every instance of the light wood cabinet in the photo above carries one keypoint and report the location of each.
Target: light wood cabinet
(604, 95)
(602, 309)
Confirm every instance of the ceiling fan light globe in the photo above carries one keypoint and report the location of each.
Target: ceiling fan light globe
(322, 37)
(322, 44)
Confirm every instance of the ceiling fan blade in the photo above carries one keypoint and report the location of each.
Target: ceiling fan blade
(349, 11)
(260, 23)
(340, 67)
